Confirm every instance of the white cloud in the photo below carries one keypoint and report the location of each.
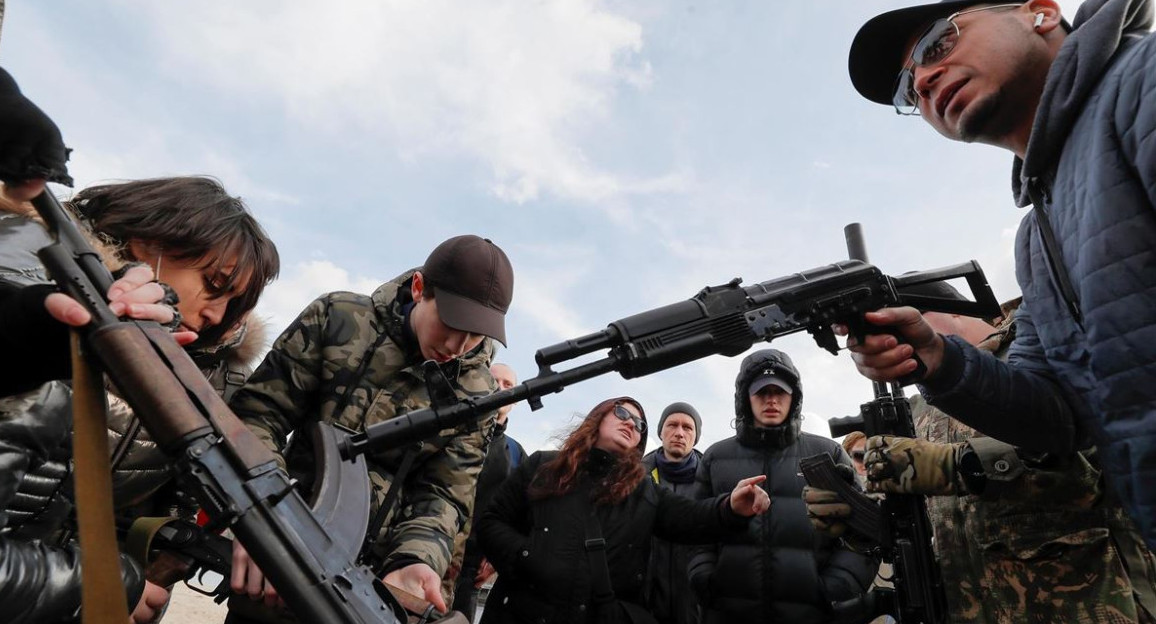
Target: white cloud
(285, 298)
(513, 84)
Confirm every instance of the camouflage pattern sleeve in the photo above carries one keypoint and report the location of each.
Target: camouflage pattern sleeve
(282, 393)
(439, 498)
(1068, 480)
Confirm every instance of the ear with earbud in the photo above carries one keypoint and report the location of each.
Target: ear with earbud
(1039, 20)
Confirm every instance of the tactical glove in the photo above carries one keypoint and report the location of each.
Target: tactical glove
(827, 510)
(898, 465)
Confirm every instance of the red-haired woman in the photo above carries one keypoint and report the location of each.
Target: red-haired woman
(569, 532)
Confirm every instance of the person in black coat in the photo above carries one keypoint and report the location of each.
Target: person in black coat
(780, 569)
(502, 457)
(569, 532)
(672, 467)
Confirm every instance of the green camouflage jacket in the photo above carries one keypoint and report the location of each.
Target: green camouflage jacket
(346, 359)
(1039, 545)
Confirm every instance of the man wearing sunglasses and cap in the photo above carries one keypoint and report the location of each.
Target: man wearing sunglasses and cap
(357, 360)
(779, 569)
(1075, 105)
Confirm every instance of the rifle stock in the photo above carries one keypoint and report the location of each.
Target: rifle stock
(216, 458)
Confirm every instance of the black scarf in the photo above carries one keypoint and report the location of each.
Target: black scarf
(677, 471)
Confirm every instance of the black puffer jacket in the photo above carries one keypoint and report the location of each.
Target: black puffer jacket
(39, 582)
(779, 570)
(538, 547)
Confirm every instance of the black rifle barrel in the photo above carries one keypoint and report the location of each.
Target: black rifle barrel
(720, 320)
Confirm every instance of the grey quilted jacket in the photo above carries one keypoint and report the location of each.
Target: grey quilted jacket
(1083, 368)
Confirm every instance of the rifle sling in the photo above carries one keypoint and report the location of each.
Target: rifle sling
(602, 592)
(103, 595)
(391, 496)
(139, 541)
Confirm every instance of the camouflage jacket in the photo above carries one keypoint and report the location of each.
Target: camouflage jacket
(1039, 544)
(348, 359)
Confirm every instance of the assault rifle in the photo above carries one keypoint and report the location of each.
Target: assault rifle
(725, 320)
(898, 526)
(176, 550)
(233, 476)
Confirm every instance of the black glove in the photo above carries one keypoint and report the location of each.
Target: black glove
(30, 144)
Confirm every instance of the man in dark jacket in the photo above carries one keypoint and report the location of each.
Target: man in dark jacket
(1075, 106)
(779, 570)
(673, 466)
(503, 456)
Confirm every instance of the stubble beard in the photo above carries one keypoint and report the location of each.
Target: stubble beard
(671, 455)
(980, 121)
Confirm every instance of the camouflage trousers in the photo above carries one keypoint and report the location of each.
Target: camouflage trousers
(1083, 581)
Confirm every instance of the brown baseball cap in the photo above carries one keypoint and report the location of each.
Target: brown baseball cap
(473, 285)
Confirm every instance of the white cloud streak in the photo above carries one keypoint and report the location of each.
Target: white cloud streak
(511, 83)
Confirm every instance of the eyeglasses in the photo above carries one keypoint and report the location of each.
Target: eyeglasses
(936, 44)
(624, 414)
(858, 455)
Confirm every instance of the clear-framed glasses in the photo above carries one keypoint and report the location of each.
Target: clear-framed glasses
(624, 414)
(935, 44)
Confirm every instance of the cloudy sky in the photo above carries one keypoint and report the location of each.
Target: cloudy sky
(623, 154)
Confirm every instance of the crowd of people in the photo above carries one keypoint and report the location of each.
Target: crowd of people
(1036, 430)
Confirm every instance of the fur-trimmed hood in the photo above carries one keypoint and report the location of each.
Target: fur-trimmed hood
(24, 233)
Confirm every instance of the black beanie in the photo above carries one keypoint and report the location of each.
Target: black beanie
(682, 408)
(30, 144)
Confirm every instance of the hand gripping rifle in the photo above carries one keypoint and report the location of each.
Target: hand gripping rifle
(726, 320)
(233, 476)
(898, 527)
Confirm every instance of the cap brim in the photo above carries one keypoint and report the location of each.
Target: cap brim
(877, 51)
(467, 315)
(763, 382)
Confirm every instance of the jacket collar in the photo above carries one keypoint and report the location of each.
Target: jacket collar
(1100, 30)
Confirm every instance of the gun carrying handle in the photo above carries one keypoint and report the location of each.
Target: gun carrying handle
(843, 425)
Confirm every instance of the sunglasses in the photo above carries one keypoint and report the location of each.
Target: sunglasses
(858, 455)
(624, 414)
(936, 44)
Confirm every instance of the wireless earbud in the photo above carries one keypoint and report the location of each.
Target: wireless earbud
(1039, 20)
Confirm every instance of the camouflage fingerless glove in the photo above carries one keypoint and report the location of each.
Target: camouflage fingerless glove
(898, 465)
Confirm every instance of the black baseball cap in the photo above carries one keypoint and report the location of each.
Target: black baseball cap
(877, 51)
(473, 285)
(769, 378)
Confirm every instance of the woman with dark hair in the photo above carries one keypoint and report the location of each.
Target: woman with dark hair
(216, 259)
(569, 532)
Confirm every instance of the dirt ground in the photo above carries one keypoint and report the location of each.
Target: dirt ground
(189, 607)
